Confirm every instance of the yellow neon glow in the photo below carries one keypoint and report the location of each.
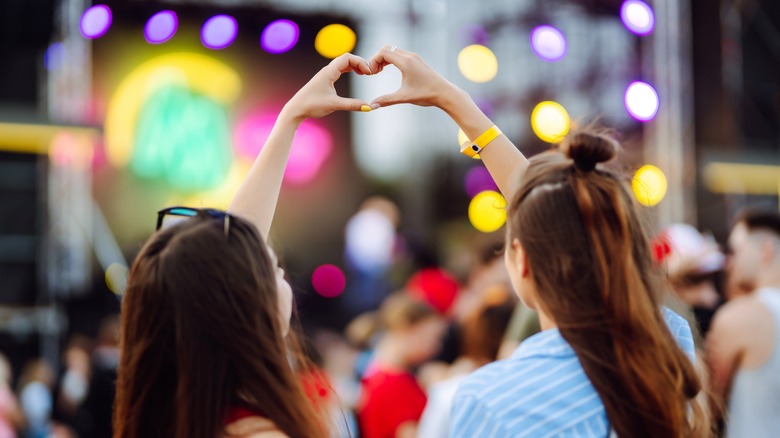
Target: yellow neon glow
(477, 63)
(487, 211)
(198, 73)
(738, 178)
(649, 185)
(550, 121)
(334, 40)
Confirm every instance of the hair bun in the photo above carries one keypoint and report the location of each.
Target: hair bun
(588, 148)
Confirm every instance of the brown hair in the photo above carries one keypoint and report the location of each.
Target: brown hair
(590, 260)
(484, 331)
(201, 333)
(400, 310)
(760, 219)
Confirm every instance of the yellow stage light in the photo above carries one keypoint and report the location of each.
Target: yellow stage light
(478, 63)
(334, 40)
(649, 185)
(487, 211)
(550, 121)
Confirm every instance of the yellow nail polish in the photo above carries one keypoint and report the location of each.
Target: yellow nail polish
(365, 108)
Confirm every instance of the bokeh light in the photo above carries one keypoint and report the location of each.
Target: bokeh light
(434, 286)
(71, 150)
(219, 32)
(477, 63)
(370, 239)
(462, 137)
(649, 185)
(95, 21)
(641, 101)
(335, 40)
(550, 121)
(116, 278)
(161, 27)
(478, 180)
(311, 147)
(548, 43)
(54, 56)
(637, 16)
(328, 281)
(279, 36)
(487, 211)
(196, 77)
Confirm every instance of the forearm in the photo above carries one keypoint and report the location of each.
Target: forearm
(256, 199)
(503, 160)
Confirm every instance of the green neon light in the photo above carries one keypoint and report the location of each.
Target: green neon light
(183, 138)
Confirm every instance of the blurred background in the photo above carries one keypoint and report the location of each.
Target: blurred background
(110, 111)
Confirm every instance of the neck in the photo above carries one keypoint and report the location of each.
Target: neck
(545, 321)
(389, 353)
(770, 277)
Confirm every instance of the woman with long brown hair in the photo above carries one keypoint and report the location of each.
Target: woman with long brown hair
(205, 350)
(610, 359)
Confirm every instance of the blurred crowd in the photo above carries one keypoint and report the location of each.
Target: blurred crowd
(394, 371)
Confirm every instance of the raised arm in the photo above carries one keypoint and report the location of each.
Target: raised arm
(256, 198)
(422, 86)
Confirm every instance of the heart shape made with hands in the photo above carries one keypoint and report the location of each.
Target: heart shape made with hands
(420, 85)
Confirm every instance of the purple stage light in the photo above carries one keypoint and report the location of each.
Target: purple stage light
(548, 43)
(95, 21)
(478, 180)
(638, 17)
(161, 27)
(279, 36)
(328, 281)
(641, 101)
(219, 32)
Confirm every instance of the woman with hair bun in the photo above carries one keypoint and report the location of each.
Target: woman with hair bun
(610, 359)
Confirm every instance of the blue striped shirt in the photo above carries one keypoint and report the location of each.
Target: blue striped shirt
(540, 391)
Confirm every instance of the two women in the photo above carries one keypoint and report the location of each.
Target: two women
(206, 312)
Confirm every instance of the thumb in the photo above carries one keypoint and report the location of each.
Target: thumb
(389, 99)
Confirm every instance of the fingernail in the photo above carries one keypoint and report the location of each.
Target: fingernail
(365, 108)
(375, 106)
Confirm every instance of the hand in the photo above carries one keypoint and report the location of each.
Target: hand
(421, 85)
(318, 97)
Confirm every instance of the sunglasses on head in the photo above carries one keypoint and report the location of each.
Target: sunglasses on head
(173, 215)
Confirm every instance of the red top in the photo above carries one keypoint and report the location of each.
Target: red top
(237, 413)
(389, 398)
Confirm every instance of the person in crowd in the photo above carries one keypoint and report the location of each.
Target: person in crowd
(93, 419)
(392, 400)
(11, 418)
(743, 346)
(693, 264)
(610, 358)
(206, 348)
(482, 334)
(35, 397)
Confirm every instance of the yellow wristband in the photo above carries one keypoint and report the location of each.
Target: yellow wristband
(473, 148)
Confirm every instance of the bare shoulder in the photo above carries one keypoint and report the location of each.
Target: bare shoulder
(253, 427)
(739, 321)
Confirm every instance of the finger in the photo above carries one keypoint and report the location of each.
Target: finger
(384, 57)
(389, 99)
(349, 62)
